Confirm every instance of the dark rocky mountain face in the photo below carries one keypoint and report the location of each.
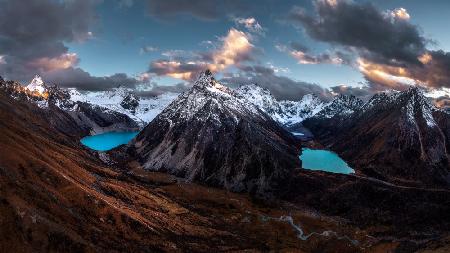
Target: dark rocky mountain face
(211, 136)
(399, 137)
(341, 106)
(130, 102)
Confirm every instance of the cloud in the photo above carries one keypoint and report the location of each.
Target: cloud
(148, 49)
(280, 86)
(299, 52)
(82, 80)
(126, 3)
(389, 51)
(434, 72)
(200, 9)
(251, 24)
(362, 92)
(176, 69)
(442, 102)
(33, 34)
(364, 27)
(61, 62)
(385, 76)
(234, 49)
(157, 90)
(277, 69)
(399, 13)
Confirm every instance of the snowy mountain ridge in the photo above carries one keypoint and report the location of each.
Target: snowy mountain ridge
(144, 109)
(285, 112)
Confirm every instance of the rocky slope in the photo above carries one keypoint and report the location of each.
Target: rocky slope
(399, 137)
(210, 135)
(91, 118)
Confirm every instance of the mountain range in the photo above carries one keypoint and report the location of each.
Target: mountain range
(400, 137)
(172, 188)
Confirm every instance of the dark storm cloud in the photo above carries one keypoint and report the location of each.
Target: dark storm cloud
(281, 87)
(202, 9)
(436, 72)
(82, 80)
(380, 38)
(392, 51)
(32, 37)
(35, 29)
(298, 46)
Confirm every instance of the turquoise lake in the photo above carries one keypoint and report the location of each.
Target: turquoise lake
(107, 141)
(315, 159)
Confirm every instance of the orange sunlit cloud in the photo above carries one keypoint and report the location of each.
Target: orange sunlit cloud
(235, 48)
(61, 62)
(390, 76)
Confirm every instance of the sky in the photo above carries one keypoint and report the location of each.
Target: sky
(296, 47)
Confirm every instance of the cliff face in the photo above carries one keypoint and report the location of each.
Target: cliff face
(209, 135)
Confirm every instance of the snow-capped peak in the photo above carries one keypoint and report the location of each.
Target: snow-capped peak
(418, 104)
(207, 81)
(37, 85)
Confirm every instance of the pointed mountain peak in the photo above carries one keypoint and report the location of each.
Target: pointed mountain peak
(206, 81)
(415, 95)
(415, 91)
(37, 84)
(37, 80)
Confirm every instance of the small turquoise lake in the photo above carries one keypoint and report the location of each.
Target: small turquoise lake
(108, 141)
(315, 159)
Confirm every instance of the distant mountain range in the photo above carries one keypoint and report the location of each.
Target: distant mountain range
(144, 109)
(379, 137)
